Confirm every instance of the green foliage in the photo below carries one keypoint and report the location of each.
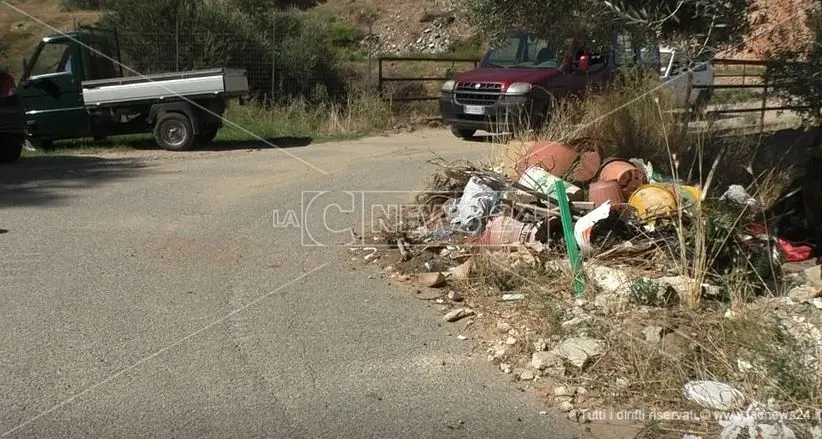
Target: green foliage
(85, 5)
(297, 52)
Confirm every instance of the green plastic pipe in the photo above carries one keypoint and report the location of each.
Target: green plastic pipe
(570, 241)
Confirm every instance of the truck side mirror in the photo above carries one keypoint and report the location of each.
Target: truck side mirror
(584, 63)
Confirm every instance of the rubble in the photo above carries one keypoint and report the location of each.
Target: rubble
(457, 314)
(578, 350)
(713, 395)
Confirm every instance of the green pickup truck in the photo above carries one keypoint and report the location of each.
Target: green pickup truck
(73, 87)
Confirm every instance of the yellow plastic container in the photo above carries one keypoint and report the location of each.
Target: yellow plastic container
(661, 199)
(653, 200)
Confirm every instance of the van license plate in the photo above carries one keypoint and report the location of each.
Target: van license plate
(474, 109)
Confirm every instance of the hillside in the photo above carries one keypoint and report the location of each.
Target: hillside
(393, 26)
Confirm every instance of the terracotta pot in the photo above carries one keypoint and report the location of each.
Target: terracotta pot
(602, 191)
(563, 161)
(629, 177)
(504, 231)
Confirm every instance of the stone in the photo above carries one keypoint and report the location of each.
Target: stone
(454, 296)
(653, 334)
(814, 275)
(540, 345)
(610, 280)
(542, 360)
(462, 272)
(526, 375)
(563, 391)
(713, 395)
(805, 293)
(621, 383)
(581, 390)
(462, 337)
(457, 314)
(511, 341)
(503, 327)
(505, 368)
(576, 321)
(566, 406)
(430, 280)
(578, 350)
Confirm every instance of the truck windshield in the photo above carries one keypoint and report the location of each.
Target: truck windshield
(524, 51)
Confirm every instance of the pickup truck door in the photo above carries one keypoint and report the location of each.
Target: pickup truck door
(52, 95)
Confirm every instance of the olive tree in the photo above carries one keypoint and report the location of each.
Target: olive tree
(697, 27)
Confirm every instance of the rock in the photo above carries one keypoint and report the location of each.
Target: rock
(713, 395)
(563, 391)
(540, 345)
(653, 334)
(430, 280)
(576, 321)
(457, 314)
(462, 337)
(500, 352)
(610, 280)
(814, 275)
(805, 293)
(743, 366)
(510, 297)
(566, 406)
(817, 302)
(621, 383)
(581, 390)
(549, 363)
(577, 350)
(462, 272)
(454, 296)
(503, 327)
(506, 368)
(510, 341)
(526, 375)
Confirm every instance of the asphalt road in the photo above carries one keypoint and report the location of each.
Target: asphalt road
(149, 294)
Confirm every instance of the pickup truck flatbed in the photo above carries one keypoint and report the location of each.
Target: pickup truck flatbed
(165, 86)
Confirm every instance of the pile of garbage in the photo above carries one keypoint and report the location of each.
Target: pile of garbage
(568, 201)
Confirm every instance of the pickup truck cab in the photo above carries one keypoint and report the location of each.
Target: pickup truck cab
(517, 82)
(12, 120)
(73, 87)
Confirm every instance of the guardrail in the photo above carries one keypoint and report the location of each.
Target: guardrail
(385, 79)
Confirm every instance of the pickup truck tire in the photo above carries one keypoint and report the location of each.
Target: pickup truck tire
(173, 132)
(11, 146)
(463, 133)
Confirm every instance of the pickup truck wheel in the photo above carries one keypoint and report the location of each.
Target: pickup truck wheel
(173, 132)
(463, 133)
(10, 148)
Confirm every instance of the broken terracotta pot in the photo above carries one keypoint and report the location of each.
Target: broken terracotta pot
(602, 191)
(579, 164)
(430, 280)
(629, 177)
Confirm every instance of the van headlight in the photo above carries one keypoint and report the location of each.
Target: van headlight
(449, 85)
(518, 88)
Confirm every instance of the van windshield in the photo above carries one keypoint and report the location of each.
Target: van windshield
(524, 51)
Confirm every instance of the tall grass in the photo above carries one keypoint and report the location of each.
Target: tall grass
(358, 115)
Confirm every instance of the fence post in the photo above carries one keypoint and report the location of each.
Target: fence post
(177, 43)
(273, 55)
(379, 78)
(764, 104)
